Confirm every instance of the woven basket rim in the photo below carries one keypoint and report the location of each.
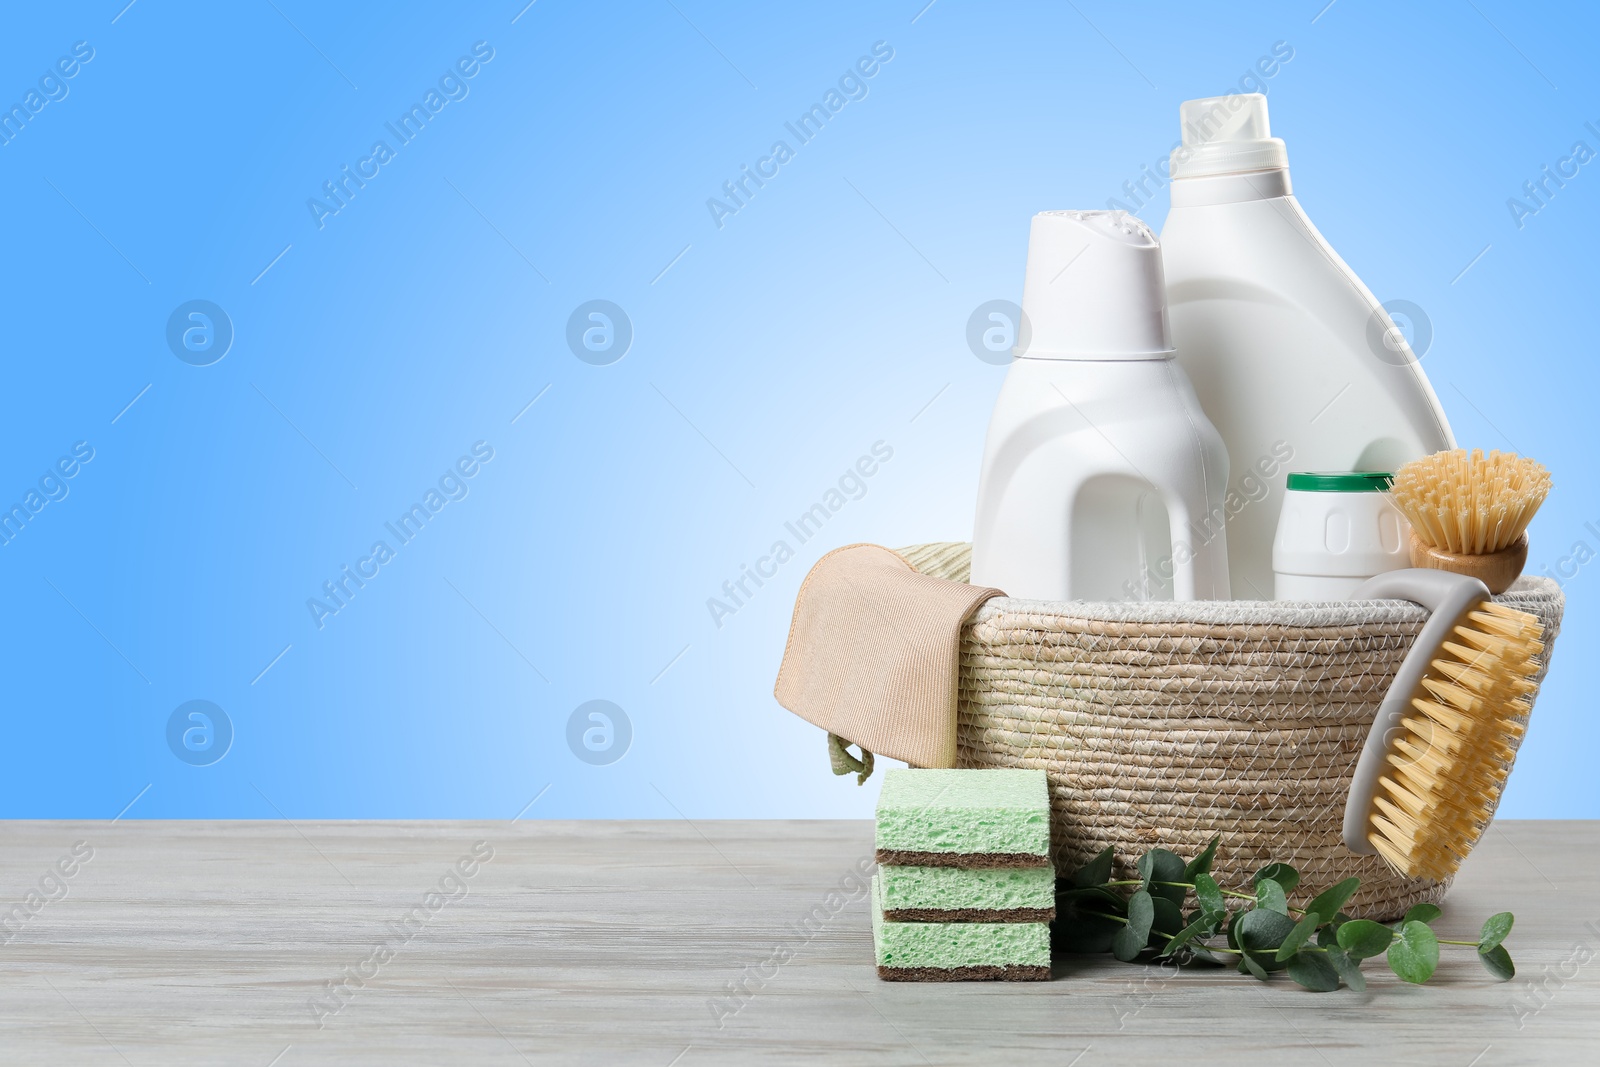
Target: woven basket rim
(1528, 590)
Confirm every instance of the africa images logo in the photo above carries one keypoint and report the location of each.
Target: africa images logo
(452, 86)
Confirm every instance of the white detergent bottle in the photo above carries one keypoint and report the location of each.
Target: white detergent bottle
(1294, 360)
(1102, 479)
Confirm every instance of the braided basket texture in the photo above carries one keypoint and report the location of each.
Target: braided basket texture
(1161, 724)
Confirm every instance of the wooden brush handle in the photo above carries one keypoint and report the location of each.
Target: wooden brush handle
(1497, 570)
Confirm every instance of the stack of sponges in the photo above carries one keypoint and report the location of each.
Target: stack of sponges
(964, 890)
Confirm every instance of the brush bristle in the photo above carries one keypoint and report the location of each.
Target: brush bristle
(1448, 765)
(1470, 504)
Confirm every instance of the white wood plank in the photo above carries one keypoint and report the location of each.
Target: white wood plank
(616, 942)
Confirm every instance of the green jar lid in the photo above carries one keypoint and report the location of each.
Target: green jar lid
(1341, 481)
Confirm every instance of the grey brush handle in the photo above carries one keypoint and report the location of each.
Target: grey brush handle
(1449, 597)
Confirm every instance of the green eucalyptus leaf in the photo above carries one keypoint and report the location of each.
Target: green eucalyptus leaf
(1182, 938)
(1168, 919)
(1423, 913)
(1207, 922)
(1200, 952)
(1349, 969)
(1209, 894)
(1248, 963)
(1130, 940)
(1312, 970)
(1201, 924)
(1201, 864)
(1495, 929)
(1086, 918)
(1074, 931)
(1298, 936)
(1329, 934)
(1260, 932)
(1141, 913)
(1415, 952)
(1097, 871)
(1281, 873)
(1160, 865)
(1097, 896)
(1330, 900)
(1498, 962)
(1271, 896)
(1363, 937)
(1126, 947)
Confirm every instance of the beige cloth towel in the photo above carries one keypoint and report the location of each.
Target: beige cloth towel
(874, 654)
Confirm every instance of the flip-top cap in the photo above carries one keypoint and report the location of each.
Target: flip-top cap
(1226, 135)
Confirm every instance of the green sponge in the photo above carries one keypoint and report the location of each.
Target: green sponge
(964, 818)
(952, 952)
(949, 894)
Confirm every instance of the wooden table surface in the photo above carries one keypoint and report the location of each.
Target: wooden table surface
(677, 943)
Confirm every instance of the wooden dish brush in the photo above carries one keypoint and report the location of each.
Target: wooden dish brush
(1436, 759)
(1470, 513)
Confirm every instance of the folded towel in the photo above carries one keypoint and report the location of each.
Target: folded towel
(874, 654)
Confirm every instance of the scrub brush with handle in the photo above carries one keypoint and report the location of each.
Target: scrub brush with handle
(1437, 756)
(1470, 513)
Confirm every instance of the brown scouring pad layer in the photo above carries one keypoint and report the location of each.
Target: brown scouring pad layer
(969, 915)
(971, 861)
(980, 973)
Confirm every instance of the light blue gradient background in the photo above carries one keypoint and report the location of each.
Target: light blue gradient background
(806, 329)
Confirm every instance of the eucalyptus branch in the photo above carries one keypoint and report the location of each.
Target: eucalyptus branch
(1319, 945)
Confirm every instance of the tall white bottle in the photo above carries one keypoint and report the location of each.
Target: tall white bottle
(1102, 478)
(1293, 359)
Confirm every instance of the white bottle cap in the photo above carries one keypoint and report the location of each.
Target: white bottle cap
(1094, 288)
(1226, 135)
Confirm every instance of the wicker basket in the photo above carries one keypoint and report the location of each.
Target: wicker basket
(1165, 723)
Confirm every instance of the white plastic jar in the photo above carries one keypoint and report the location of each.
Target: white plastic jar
(1336, 530)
